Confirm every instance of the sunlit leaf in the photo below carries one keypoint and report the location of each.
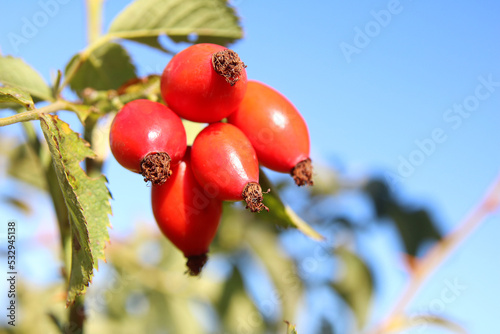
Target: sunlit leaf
(281, 214)
(81, 110)
(16, 95)
(207, 21)
(355, 285)
(15, 72)
(107, 67)
(87, 200)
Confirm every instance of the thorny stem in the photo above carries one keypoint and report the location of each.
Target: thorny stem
(440, 252)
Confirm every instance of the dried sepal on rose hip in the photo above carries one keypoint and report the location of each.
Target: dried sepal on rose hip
(148, 138)
(224, 161)
(186, 214)
(276, 130)
(204, 83)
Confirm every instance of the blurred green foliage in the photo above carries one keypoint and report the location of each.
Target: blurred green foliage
(144, 288)
(264, 268)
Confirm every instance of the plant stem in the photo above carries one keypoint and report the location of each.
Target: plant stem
(440, 252)
(76, 316)
(94, 20)
(33, 114)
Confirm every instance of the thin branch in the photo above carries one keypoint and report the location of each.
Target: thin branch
(33, 114)
(441, 251)
(76, 316)
(94, 20)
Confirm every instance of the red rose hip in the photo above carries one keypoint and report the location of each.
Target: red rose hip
(224, 162)
(186, 214)
(147, 137)
(204, 83)
(276, 130)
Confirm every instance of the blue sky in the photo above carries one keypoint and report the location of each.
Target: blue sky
(380, 84)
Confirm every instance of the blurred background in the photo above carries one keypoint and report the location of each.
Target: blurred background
(401, 99)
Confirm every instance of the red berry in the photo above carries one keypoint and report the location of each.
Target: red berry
(224, 160)
(204, 83)
(147, 137)
(186, 214)
(276, 130)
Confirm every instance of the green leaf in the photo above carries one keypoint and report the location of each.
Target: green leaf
(18, 203)
(282, 214)
(107, 67)
(281, 269)
(381, 197)
(15, 72)
(235, 305)
(87, 200)
(81, 110)
(24, 165)
(355, 285)
(16, 95)
(233, 285)
(415, 227)
(211, 21)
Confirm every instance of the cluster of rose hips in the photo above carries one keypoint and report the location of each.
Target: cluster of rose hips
(207, 83)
